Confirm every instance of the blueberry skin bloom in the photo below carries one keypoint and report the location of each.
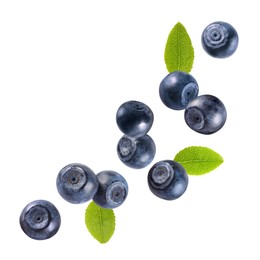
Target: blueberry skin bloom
(167, 179)
(219, 39)
(77, 183)
(112, 191)
(177, 89)
(40, 220)
(136, 153)
(134, 118)
(206, 114)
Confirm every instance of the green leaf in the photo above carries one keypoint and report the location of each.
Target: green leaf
(100, 222)
(198, 160)
(179, 52)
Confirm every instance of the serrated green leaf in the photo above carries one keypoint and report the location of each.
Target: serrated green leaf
(179, 52)
(100, 222)
(198, 160)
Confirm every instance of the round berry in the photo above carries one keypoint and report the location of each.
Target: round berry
(177, 89)
(134, 118)
(112, 191)
(77, 183)
(219, 39)
(136, 153)
(206, 114)
(40, 220)
(167, 179)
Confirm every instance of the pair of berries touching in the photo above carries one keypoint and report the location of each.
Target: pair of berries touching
(205, 114)
(167, 179)
(77, 183)
(136, 149)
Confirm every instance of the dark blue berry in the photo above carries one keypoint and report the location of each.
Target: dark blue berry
(77, 183)
(112, 191)
(40, 220)
(134, 118)
(206, 114)
(177, 89)
(219, 39)
(136, 153)
(167, 179)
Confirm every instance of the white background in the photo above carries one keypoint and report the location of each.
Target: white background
(66, 66)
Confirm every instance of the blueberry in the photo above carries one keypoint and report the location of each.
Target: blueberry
(167, 179)
(112, 191)
(136, 153)
(134, 118)
(40, 220)
(77, 183)
(177, 89)
(219, 39)
(206, 114)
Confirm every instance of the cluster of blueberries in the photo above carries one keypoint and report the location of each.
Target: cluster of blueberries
(167, 179)
(76, 183)
(205, 114)
(136, 149)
